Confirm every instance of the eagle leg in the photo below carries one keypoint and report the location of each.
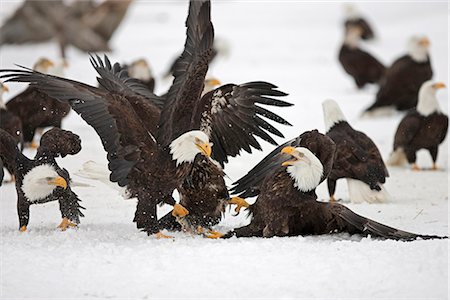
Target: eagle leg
(179, 211)
(65, 223)
(240, 202)
(434, 167)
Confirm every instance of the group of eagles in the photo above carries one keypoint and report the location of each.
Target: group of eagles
(182, 140)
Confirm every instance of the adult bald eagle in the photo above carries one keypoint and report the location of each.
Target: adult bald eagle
(402, 80)
(36, 109)
(151, 166)
(357, 159)
(354, 18)
(41, 180)
(285, 183)
(363, 67)
(423, 128)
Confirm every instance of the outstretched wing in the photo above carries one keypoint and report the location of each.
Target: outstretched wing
(110, 114)
(190, 71)
(115, 79)
(230, 115)
(347, 220)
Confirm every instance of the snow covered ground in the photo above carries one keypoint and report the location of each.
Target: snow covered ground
(294, 45)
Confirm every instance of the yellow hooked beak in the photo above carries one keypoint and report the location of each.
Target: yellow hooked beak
(5, 88)
(424, 42)
(292, 152)
(213, 82)
(205, 148)
(58, 181)
(439, 85)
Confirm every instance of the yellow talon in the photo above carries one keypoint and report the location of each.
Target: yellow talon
(161, 235)
(332, 199)
(179, 211)
(33, 145)
(23, 228)
(240, 202)
(65, 223)
(415, 167)
(435, 167)
(200, 230)
(214, 234)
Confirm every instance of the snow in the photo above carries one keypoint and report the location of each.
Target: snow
(294, 45)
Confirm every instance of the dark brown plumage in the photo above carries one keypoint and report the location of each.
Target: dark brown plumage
(400, 86)
(284, 207)
(36, 109)
(423, 128)
(363, 67)
(41, 180)
(9, 121)
(357, 157)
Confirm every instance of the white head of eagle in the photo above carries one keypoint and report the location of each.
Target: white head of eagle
(418, 48)
(427, 103)
(186, 147)
(305, 168)
(332, 114)
(41, 181)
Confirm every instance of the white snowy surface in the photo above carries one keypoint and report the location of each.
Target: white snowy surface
(294, 45)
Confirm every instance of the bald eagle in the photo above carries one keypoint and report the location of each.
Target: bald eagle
(41, 180)
(354, 18)
(36, 109)
(402, 80)
(285, 183)
(423, 128)
(357, 159)
(363, 67)
(124, 113)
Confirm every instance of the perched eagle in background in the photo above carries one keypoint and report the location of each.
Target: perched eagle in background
(357, 159)
(423, 128)
(353, 18)
(402, 80)
(36, 109)
(140, 69)
(41, 180)
(285, 183)
(363, 67)
(86, 27)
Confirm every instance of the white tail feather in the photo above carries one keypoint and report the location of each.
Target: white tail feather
(360, 192)
(397, 158)
(96, 171)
